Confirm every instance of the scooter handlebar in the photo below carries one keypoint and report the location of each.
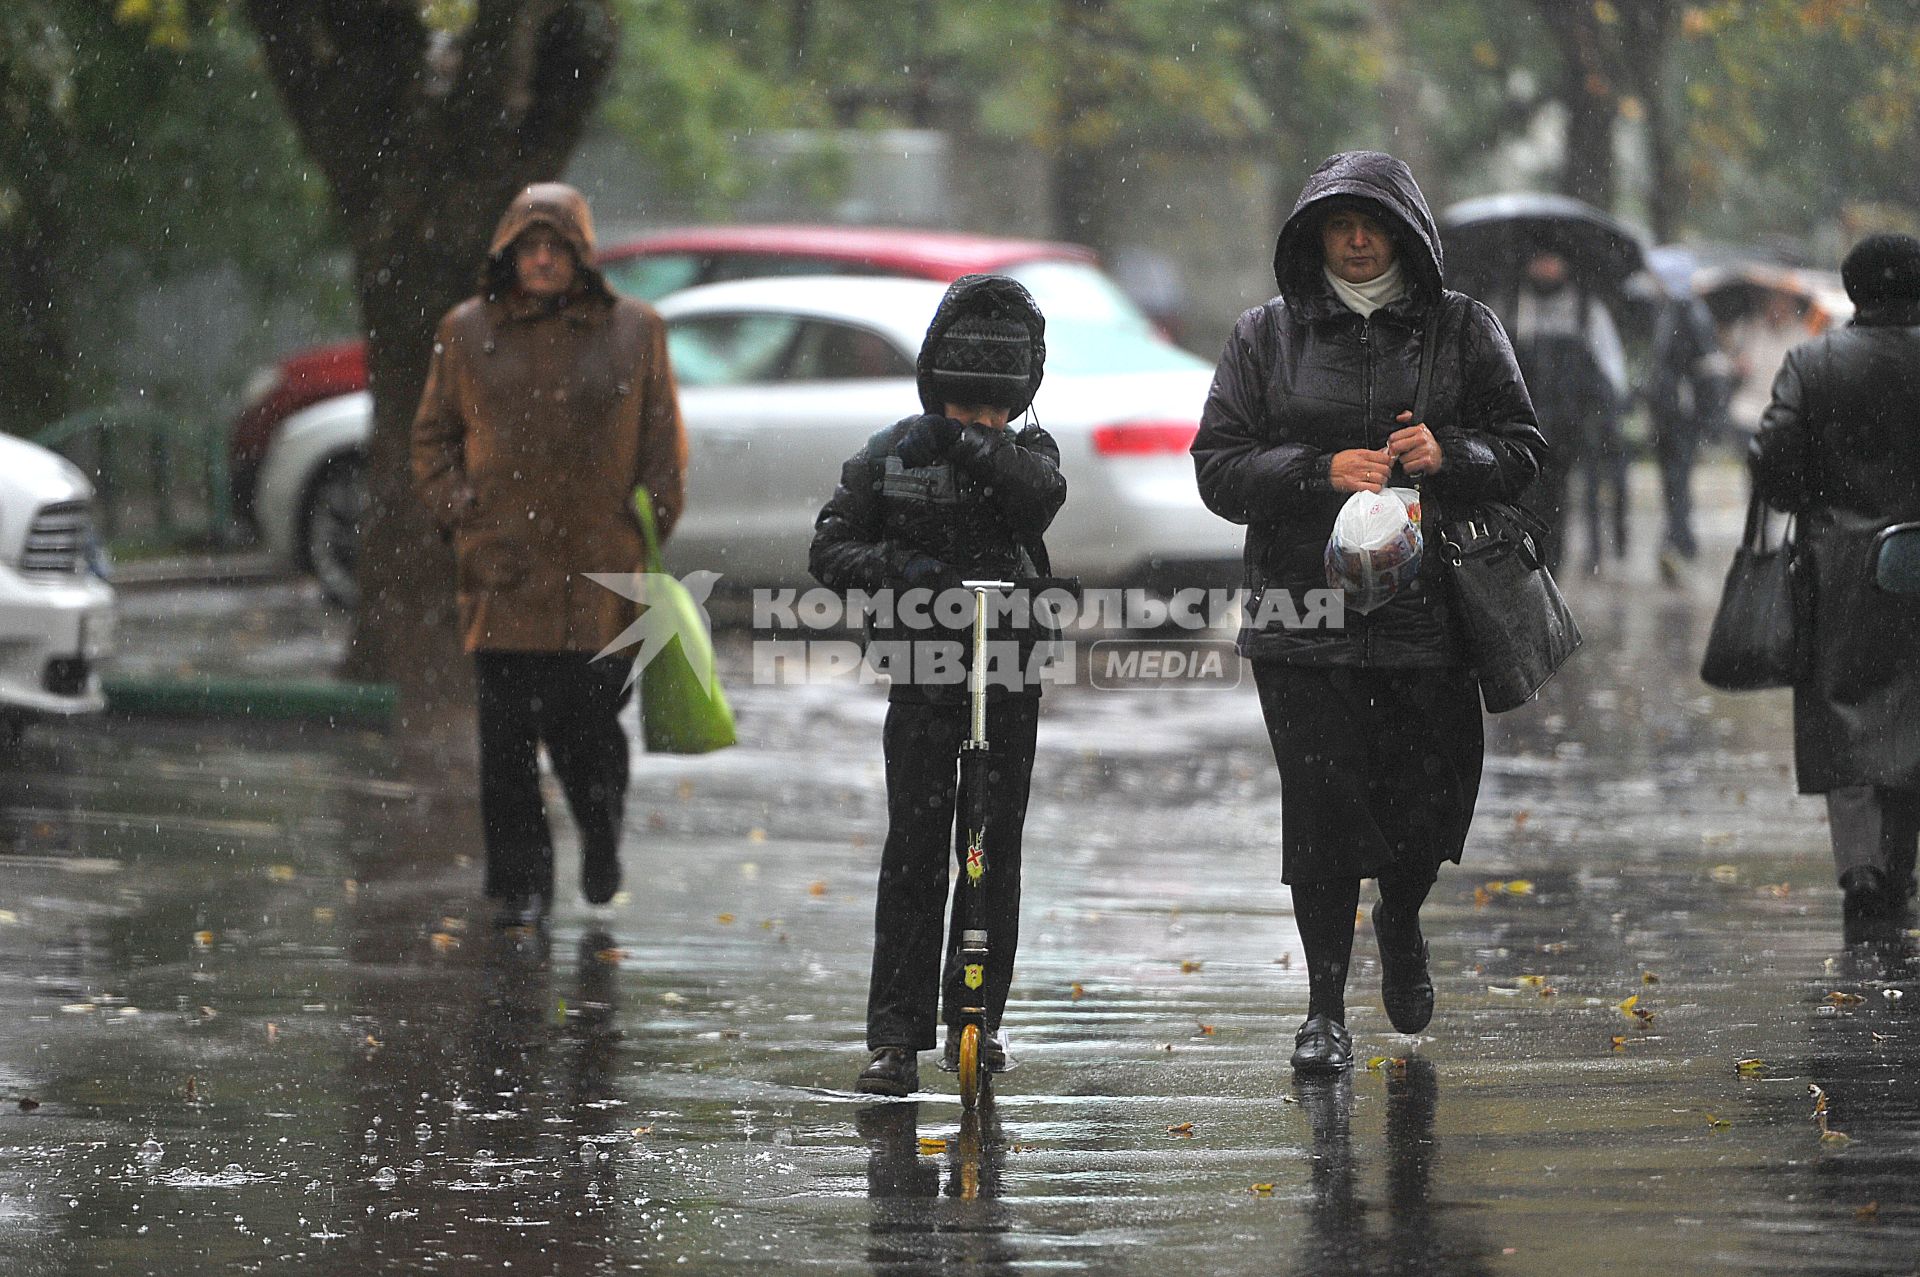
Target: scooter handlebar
(1037, 584)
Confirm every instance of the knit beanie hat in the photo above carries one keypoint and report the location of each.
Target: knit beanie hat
(1882, 270)
(983, 358)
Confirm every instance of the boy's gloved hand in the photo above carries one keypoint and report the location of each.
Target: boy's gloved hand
(926, 441)
(923, 571)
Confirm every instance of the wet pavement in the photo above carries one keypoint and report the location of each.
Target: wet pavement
(258, 1022)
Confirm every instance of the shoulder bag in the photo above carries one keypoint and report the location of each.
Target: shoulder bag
(1516, 625)
(1760, 632)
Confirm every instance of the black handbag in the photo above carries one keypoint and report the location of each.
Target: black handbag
(1761, 632)
(1517, 627)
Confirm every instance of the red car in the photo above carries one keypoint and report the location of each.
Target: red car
(1065, 278)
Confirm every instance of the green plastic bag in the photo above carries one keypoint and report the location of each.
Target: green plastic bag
(683, 709)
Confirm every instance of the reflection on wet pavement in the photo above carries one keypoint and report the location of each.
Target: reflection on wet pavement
(265, 1026)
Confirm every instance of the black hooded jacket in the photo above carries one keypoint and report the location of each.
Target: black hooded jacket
(1303, 377)
(978, 511)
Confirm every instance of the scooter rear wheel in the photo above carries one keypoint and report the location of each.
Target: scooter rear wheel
(970, 1067)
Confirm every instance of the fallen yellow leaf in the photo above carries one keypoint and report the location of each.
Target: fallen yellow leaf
(1188, 966)
(281, 873)
(1725, 873)
(1626, 1007)
(1181, 1129)
(816, 888)
(638, 1131)
(1750, 1067)
(1870, 1211)
(1534, 981)
(1648, 977)
(1206, 1030)
(1078, 992)
(1717, 1123)
(1263, 1190)
(756, 835)
(724, 919)
(1843, 999)
(203, 939)
(443, 942)
(1834, 1139)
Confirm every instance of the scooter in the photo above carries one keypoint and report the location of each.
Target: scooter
(973, 840)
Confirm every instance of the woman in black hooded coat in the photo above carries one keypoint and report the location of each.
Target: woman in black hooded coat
(1375, 721)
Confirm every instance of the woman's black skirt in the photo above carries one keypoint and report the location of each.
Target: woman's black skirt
(1379, 768)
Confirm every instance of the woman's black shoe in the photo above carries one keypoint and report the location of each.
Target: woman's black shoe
(893, 1070)
(1406, 989)
(1323, 1045)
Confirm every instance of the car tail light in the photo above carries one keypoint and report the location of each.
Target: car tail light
(1143, 438)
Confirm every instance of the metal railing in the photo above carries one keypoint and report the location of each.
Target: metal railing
(159, 480)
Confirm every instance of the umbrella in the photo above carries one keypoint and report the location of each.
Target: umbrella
(1488, 241)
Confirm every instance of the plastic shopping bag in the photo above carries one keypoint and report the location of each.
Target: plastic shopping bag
(1374, 551)
(683, 709)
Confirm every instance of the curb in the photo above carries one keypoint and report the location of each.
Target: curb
(208, 696)
(225, 569)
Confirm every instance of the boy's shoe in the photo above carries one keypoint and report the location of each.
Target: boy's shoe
(893, 1070)
(993, 1046)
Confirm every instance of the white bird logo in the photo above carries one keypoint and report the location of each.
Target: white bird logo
(660, 625)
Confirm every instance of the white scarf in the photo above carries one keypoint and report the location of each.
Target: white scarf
(1384, 289)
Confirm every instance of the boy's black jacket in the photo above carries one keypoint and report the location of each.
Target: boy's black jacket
(980, 511)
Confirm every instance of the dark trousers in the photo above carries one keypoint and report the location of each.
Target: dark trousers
(1875, 827)
(1675, 444)
(571, 704)
(921, 744)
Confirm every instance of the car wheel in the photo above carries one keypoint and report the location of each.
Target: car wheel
(330, 520)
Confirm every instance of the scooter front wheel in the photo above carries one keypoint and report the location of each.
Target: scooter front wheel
(970, 1067)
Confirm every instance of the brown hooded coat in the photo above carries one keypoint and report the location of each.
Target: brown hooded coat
(538, 422)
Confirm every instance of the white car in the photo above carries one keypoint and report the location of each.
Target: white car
(782, 379)
(56, 614)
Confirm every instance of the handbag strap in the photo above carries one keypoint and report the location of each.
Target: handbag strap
(1422, 396)
(649, 529)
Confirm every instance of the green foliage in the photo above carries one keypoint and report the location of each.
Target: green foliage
(1799, 111)
(689, 91)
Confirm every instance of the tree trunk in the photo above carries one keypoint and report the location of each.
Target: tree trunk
(1080, 160)
(424, 138)
(1591, 98)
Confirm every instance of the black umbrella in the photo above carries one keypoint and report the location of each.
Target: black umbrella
(1489, 240)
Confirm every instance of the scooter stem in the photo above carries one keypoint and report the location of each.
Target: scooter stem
(976, 677)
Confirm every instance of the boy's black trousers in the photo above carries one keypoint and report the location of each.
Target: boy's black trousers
(571, 704)
(921, 743)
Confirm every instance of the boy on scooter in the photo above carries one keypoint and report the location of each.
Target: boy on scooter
(951, 494)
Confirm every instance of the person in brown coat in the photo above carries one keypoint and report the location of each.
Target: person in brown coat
(549, 401)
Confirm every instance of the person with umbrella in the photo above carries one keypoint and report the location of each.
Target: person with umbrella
(1375, 723)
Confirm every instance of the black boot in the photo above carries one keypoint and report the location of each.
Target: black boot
(1323, 1045)
(1406, 988)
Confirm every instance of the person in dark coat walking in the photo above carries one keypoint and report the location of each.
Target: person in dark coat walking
(550, 399)
(1375, 724)
(1839, 447)
(1686, 394)
(950, 494)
